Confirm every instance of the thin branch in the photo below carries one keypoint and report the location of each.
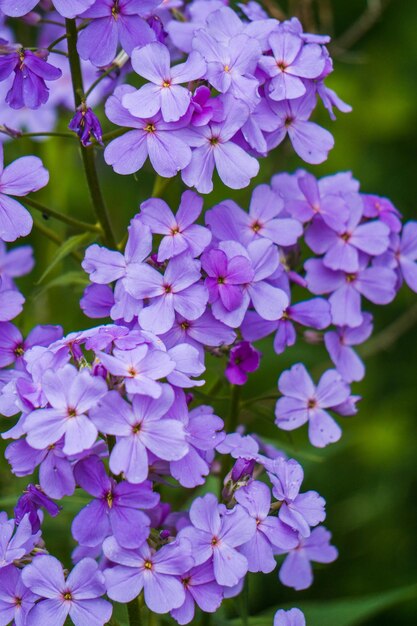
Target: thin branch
(388, 337)
(358, 29)
(66, 219)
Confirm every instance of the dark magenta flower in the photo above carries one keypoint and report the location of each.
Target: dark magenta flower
(87, 125)
(243, 358)
(30, 503)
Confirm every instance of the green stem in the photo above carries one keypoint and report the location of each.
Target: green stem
(88, 156)
(66, 219)
(159, 186)
(56, 42)
(99, 79)
(233, 420)
(133, 611)
(20, 135)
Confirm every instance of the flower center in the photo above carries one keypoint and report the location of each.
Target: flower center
(148, 565)
(150, 128)
(288, 121)
(115, 11)
(350, 278)
(67, 595)
(281, 65)
(19, 350)
(215, 541)
(17, 601)
(185, 325)
(132, 372)
(71, 412)
(136, 428)
(256, 226)
(312, 403)
(214, 141)
(226, 68)
(346, 236)
(175, 230)
(109, 499)
(166, 83)
(167, 288)
(221, 280)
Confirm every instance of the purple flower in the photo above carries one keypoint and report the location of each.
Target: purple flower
(15, 540)
(115, 509)
(292, 61)
(21, 177)
(299, 511)
(270, 531)
(163, 142)
(311, 142)
(228, 221)
(402, 255)
(231, 66)
(203, 433)
(225, 279)
(87, 125)
(303, 402)
(178, 290)
(293, 617)
(200, 588)
(342, 248)
(319, 198)
(339, 344)
(32, 500)
(382, 208)
(216, 533)
(214, 147)
(377, 284)
(141, 367)
(16, 600)
(13, 346)
(141, 428)
(156, 573)
(31, 71)
(77, 596)
(11, 304)
(66, 8)
(296, 571)
(204, 331)
(243, 358)
(163, 92)
(314, 313)
(114, 21)
(179, 232)
(15, 263)
(71, 394)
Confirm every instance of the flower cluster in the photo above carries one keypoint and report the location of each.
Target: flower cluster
(117, 410)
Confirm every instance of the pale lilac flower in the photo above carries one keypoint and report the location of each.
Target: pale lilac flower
(299, 511)
(71, 394)
(79, 595)
(11, 304)
(114, 21)
(163, 92)
(339, 344)
(303, 402)
(21, 177)
(178, 290)
(156, 573)
(382, 208)
(270, 531)
(66, 8)
(115, 509)
(14, 263)
(231, 67)
(13, 346)
(15, 540)
(141, 428)
(292, 61)
(140, 367)
(216, 533)
(16, 600)
(296, 571)
(311, 142)
(179, 232)
(342, 247)
(214, 147)
(162, 141)
(402, 255)
(293, 617)
(200, 588)
(377, 284)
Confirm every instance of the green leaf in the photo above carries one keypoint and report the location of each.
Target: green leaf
(70, 245)
(65, 280)
(344, 612)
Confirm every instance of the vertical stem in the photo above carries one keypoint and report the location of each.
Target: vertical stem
(233, 420)
(87, 154)
(133, 611)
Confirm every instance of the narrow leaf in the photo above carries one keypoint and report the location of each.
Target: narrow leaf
(70, 245)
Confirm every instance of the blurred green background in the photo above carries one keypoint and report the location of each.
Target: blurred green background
(369, 479)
